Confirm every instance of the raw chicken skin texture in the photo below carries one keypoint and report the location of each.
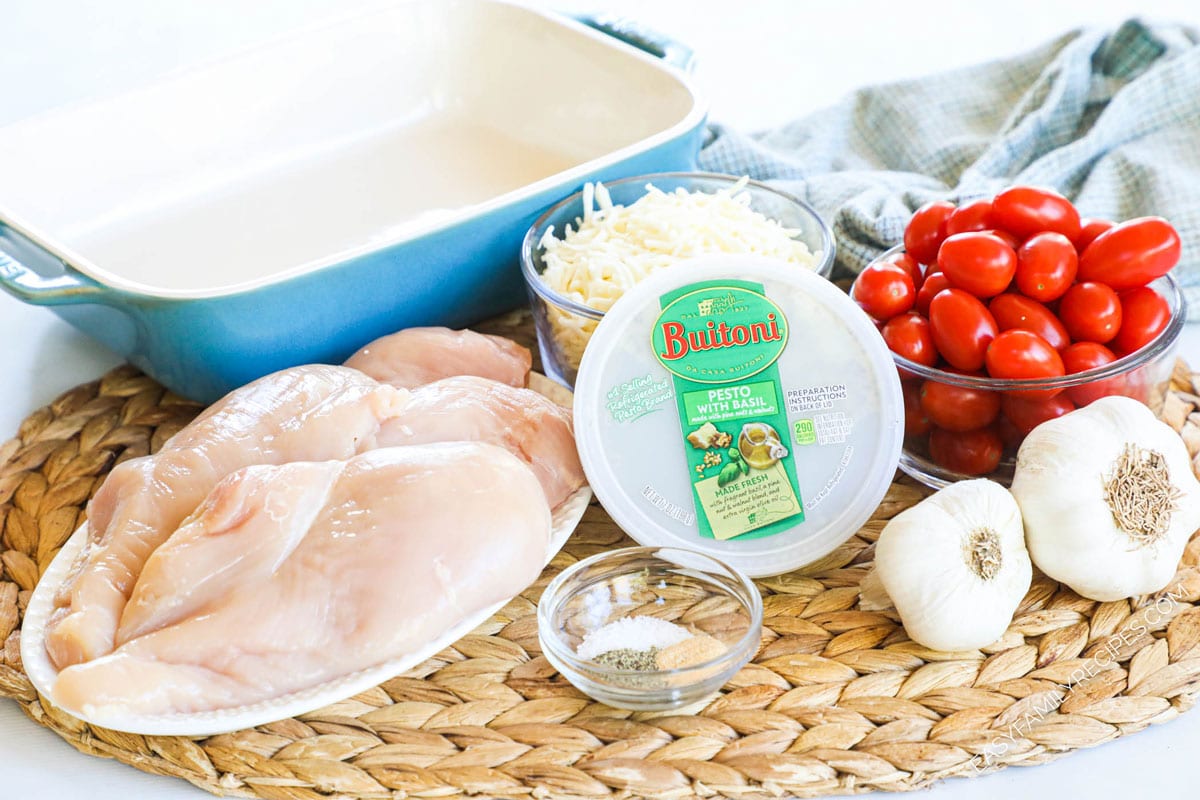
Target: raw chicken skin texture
(416, 356)
(290, 576)
(301, 414)
(527, 424)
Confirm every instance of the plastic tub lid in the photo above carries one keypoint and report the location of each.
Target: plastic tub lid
(741, 407)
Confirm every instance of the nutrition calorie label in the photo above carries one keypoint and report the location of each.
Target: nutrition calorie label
(832, 428)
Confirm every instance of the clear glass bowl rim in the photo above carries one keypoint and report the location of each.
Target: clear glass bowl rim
(534, 279)
(550, 638)
(1161, 343)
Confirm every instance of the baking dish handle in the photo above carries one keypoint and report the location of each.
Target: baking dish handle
(32, 287)
(675, 53)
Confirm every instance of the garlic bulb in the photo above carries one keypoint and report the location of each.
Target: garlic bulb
(1108, 498)
(955, 565)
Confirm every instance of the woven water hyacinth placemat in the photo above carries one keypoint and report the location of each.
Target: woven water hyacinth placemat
(837, 700)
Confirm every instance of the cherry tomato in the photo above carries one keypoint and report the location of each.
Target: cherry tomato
(908, 335)
(1009, 434)
(934, 283)
(1017, 311)
(1027, 413)
(1144, 315)
(973, 216)
(962, 328)
(884, 290)
(916, 421)
(926, 230)
(1083, 356)
(1046, 266)
(1091, 312)
(909, 265)
(979, 263)
(1023, 354)
(1089, 229)
(974, 452)
(1131, 254)
(1009, 239)
(958, 408)
(1026, 210)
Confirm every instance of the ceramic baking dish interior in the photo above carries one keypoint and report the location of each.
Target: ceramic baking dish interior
(427, 113)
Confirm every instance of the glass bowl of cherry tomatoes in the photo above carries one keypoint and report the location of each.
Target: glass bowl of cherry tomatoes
(1005, 312)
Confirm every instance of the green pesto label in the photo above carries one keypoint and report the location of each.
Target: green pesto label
(720, 340)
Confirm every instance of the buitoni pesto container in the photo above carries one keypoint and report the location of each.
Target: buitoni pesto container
(740, 407)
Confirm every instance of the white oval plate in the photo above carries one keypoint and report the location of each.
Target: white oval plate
(42, 673)
(206, 723)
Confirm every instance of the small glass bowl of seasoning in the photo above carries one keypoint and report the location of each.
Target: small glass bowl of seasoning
(649, 628)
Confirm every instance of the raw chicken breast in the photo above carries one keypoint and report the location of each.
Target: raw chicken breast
(290, 576)
(305, 413)
(527, 424)
(417, 356)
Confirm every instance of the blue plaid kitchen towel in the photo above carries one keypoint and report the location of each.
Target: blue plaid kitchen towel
(1109, 118)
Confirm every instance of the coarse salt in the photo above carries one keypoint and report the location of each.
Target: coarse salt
(633, 633)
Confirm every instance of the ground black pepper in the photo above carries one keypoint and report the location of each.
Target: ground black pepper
(628, 658)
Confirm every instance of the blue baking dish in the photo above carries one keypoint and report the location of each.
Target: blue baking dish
(288, 204)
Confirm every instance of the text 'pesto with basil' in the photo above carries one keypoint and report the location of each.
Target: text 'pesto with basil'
(739, 407)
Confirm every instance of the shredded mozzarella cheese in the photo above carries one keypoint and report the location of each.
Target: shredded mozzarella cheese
(612, 247)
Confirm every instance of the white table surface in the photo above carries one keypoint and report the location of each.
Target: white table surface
(760, 65)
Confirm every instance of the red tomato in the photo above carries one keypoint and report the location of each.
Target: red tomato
(1009, 239)
(1144, 315)
(884, 290)
(908, 335)
(1009, 434)
(979, 263)
(1131, 254)
(916, 421)
(1027, 413)
(958, 408)
(1018, 353)
(1046, 266)
(973, 216)
(934, 283)
(962, 328)
(909, 265)
(1091, 312)
(1026, 210)
(926, 230)
(974, 452)
(1089, 229)
(1017, 311)
(1083, 356)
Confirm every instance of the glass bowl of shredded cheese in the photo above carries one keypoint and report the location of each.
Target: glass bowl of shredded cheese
(585, 252)
(649, 628)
